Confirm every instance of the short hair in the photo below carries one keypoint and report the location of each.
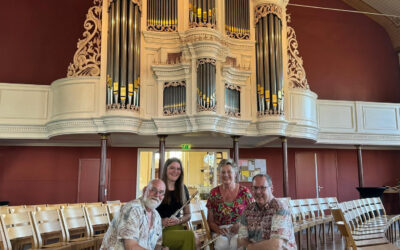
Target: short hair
(230, 162)
(267, 177)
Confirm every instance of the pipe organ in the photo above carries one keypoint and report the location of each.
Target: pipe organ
(187, 64)
(269, 62)
(162, 15)
(123, 55)
(232, 100)
(174, 98)
(202, 13)
(206, 84)
(237, 16)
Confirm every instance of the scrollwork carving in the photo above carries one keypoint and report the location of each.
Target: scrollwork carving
(296, 73)
(265, 9)
(161, 28)
(238, 35)
(175, 84)
(86, 61)
(205, 60)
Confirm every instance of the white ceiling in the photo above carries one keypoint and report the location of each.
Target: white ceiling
(390, 7)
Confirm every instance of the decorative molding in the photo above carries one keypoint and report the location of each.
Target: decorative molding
(238, 35)
(202, 25)
(175, 84)
(86, 60)
(161, 28)
(296, 73)
(204, 61)
(265, 9)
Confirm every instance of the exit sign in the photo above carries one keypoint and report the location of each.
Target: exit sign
(186, 146)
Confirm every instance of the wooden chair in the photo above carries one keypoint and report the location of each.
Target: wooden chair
(299, 224)
(93, 204)
(4, 210)
(113, 202)
(16, 210)
(370, 244)
(3, 243)
(18, 231)
(99, 221)
(76, 228)
(113, 210)
(199, 224)
(49, 229)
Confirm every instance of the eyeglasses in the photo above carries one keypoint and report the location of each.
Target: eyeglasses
(262, 188)
(158, 192)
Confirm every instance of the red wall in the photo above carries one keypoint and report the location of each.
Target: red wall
(381, 168)
(39, 38)
(36, 175)
(346, 56)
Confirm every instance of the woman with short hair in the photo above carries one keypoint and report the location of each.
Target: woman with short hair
(225, 206)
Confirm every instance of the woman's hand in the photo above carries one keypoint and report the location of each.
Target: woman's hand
(235, 228)
(223, 231)
(167, 222)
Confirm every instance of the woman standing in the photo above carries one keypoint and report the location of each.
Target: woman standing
(176, 194)
(225, 205)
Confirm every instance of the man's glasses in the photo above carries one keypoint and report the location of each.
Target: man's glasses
(261, 188)
(158, 192)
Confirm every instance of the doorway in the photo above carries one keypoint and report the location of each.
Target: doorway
(316, 174)
(199, 166)
(88, 180)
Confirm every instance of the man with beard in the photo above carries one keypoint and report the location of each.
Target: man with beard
(138, 225)
(266, 224)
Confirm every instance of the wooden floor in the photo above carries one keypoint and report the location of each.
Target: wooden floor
(337, 244)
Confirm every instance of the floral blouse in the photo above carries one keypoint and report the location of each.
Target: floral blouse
(226, 213)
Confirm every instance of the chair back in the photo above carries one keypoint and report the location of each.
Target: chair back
(98, 219)
(3, 242)
(113, 210)
(18, 230)
(94, 204)
(75, 222)
(48, 226)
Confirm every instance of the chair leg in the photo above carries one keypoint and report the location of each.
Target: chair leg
(308, 238)
(323, 233)
(299, 234)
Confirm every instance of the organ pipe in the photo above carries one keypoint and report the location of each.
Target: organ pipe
(206, 84)
(123, 55)
(162, 15)
(202, 13)
(232, 100)
(174, 98)
(237, 23)
(269, 64)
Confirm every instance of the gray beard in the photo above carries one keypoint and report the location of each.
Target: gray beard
(151, 204)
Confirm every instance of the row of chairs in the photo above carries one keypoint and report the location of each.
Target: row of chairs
(365, 225)
(310, 214)
(60, 227)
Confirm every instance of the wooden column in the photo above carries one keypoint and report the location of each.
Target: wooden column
(103, 162)
(360, 166)
(236, 149)
(161, 150)
(285, 167)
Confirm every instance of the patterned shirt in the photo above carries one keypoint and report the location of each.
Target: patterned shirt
(132, 223)
(226, 213)
(271, 221)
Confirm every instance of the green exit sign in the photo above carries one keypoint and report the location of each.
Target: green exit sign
(186, 146)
